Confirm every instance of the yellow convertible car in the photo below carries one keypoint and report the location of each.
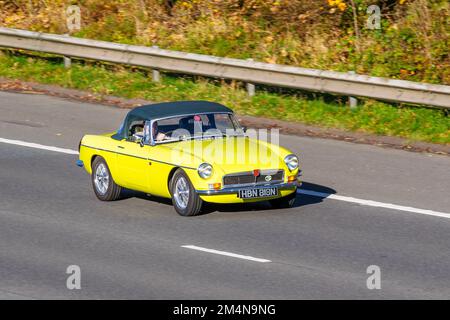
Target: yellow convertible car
(191, 152)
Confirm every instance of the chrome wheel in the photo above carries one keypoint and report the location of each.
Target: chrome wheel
(101, 179)
(181, 194)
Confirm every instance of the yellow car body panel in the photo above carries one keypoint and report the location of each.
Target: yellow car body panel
(149, 168)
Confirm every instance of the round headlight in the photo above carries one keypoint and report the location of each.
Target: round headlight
(204, 170)
(291, 161)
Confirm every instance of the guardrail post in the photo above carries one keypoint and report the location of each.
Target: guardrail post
(156, 76)
(250, 86)
(352, 101)
(67, 60)
(73, 22)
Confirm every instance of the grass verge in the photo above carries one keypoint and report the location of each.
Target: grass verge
(415, 124)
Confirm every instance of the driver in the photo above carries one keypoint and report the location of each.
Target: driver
(138, 131)
(157, 136)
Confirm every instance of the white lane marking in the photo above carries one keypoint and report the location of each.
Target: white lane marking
(374, 203)
(301, 191)
(38, 146)
(224, 253)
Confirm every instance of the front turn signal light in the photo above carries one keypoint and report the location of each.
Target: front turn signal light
(292, 178)
(215, 186)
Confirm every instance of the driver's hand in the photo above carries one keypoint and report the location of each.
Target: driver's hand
(160, 136)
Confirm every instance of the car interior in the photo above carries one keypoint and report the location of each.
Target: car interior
(167, 126)
(136, 131)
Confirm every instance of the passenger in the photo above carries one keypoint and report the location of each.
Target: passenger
(157, 136)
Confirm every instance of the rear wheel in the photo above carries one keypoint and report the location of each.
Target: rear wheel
(184, 198)
(104, 186)
(284, 202)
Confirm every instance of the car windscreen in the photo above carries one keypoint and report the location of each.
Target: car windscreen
(195, 125)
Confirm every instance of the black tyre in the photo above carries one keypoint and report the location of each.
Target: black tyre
(184, 198)
(284, 202)
(103, 183)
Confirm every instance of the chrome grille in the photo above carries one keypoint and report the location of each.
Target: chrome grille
(246, 178)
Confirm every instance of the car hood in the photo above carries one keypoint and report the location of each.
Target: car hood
(229, 154)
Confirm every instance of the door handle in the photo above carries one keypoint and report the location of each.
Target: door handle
(120, 147)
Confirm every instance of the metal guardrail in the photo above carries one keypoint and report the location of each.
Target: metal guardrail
(244, 70)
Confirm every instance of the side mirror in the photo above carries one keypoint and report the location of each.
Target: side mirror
(244, 129)
(141, 142)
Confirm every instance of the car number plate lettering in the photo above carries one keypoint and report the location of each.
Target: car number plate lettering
(257, 193)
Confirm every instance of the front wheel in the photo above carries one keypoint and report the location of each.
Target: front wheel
(284, 202)
(184, 198)
(104, 186)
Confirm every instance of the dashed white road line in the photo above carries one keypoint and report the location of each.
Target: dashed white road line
(225, 253)
(38, 146)
(300, 191)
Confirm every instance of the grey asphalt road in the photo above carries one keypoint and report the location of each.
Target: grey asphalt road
(50, 219)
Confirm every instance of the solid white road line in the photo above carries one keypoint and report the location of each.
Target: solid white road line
(38, 146)
(374, 203)
(301, 191)
(224, 253)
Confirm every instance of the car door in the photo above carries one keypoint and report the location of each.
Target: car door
(133, 165)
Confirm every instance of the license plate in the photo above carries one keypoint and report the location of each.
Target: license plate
(258, 193)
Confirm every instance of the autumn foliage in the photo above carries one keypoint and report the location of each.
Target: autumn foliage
(413, 42)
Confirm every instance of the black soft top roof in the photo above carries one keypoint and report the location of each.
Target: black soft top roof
(177, 108)
(167, 110)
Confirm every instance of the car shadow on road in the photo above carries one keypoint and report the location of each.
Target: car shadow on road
(301, 200)
(127, 194)
(306, 199)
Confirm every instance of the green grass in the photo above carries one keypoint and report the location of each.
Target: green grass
(415, 124)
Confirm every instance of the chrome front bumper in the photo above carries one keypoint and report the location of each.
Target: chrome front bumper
(231, 190)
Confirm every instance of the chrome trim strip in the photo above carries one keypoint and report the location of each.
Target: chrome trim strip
(280, 186)
(121, 153)
(172, 164)
(253, 184)
(262, 171)
(133, 156)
